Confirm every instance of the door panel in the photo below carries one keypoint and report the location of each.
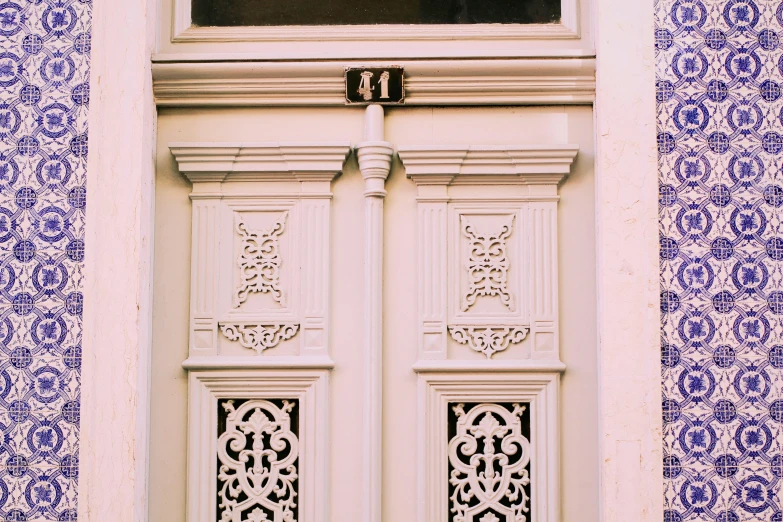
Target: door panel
(402, 386)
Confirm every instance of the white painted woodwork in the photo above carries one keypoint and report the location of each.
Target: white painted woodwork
(570, 37)
(511, 288)
(113, 458)
(374, 156)
(487, 276)
(259, 282)
(275, 196)
(184, 31)
(196, 82)
(490, 183)
(537, 391)
(309, 386)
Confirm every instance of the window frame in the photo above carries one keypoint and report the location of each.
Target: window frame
(179, 40)
(184, 31)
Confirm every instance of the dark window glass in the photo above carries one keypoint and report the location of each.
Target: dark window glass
(366, 12)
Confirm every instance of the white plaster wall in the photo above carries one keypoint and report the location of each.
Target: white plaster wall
(628, 272)
(116, 340)
(404, 126)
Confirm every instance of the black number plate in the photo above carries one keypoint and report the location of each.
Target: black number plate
(374, 85)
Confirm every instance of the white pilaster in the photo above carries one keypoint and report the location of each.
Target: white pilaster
(116, 339)
(374, 157)
(629, 371)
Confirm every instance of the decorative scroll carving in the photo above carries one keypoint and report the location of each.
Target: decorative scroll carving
(488, 339)
(259, 337)
(258, 455)
(484, 478)
(259, 263)
(487, 264)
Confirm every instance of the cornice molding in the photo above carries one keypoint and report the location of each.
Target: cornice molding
(205, 162)
(428, 82)
(205, 363)
(458, 164)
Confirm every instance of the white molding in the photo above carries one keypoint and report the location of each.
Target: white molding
(213, 161)
(375, 158)
(388, 33)
(538, 390)
(456, 366)
(248, 362)
(236, 181)
(502, 164)
(202, 81)
(183, 30)
(310, 387)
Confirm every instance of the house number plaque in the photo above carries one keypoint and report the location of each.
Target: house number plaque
(374, 85)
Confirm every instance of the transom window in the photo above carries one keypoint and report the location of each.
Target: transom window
(232, 13)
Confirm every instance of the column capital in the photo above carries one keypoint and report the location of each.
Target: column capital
(375, 159)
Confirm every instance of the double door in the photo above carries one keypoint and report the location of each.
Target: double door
(374, 320)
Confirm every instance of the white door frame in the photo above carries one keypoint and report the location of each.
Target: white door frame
(118, 271)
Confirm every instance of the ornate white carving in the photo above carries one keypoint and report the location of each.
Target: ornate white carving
(272, 201)
(487, 264)
(259, 263)
(259, 337)
(483, 476)
(308, 388)
(488, 339)
(258, 453)
(439, 392)
(457, 225)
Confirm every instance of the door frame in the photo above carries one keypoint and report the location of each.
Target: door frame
(118, 266)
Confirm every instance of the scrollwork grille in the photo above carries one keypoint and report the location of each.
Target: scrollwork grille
(489, 462)
(257, 460)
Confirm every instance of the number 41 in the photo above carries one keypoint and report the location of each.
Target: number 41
(366, 87)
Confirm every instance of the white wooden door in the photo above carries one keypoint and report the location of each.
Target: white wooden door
(374, 323)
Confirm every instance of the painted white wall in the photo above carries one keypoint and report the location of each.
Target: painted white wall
(118, 272)
(403, 127)
(628, 270)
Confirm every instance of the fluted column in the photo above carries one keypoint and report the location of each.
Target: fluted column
(374, 157)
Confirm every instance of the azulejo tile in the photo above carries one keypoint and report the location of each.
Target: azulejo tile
(36, 494)
(44, 96)
(720, 143)
(755, 493)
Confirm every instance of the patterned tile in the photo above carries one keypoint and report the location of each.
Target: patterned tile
(720, 144)
(44, 94)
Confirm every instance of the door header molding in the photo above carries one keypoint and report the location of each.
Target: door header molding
(504, 164)
(203, 81)
(218, 162)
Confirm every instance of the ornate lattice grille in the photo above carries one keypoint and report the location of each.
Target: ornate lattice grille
(489, 462)
(257, 459)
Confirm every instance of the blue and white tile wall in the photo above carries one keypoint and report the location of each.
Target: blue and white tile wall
(44, 77)
(720, 144)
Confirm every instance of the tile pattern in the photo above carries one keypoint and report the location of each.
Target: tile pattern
(720, 142)
(44, 92)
